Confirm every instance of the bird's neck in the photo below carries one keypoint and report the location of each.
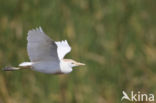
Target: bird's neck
(65, 67)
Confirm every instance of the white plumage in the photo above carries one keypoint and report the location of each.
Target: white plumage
(62, 48)
(46, 55)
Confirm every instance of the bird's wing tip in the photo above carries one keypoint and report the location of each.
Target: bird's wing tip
(39, 29)
(36, 29)
(63, 42)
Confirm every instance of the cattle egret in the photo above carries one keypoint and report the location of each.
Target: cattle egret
(46, 55)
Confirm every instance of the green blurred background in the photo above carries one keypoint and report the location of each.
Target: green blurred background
(115, 38)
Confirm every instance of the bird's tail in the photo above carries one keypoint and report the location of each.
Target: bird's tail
(8, 68)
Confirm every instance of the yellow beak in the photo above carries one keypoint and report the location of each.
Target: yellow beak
(79, 64)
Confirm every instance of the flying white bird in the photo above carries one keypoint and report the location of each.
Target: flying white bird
(46, 55)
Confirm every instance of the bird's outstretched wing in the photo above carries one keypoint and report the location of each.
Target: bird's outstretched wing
(40, 47)
(62, 48)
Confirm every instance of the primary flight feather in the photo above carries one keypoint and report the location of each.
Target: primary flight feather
(47, 55)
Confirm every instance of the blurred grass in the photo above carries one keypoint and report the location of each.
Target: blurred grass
(116, 39)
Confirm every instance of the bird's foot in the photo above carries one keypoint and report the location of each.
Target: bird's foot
(10, 68)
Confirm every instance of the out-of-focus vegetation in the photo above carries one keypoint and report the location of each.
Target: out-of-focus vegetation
(115, 38)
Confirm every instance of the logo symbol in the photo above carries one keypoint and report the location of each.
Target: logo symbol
(125, 96)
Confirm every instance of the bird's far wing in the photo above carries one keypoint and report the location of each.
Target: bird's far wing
(40, 47)
(62, 48)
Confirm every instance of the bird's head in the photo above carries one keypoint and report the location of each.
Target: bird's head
(73, 63)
